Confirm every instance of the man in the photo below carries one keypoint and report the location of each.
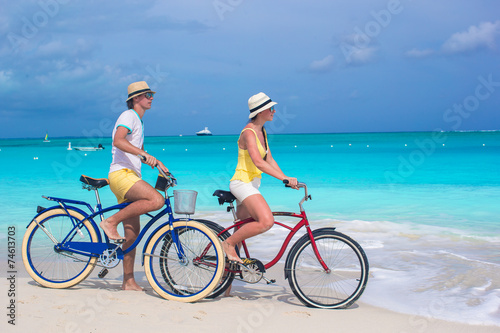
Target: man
(125, 176)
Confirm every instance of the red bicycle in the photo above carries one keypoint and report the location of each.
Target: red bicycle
(325, 268)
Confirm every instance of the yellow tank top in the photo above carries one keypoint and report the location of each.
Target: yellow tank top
(246, 169)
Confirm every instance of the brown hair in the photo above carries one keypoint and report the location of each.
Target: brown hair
(264, 132)
(130, 103)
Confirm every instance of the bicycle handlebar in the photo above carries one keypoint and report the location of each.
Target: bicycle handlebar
(166, 175)
(300, 185)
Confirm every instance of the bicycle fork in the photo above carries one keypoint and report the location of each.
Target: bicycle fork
(316, 251)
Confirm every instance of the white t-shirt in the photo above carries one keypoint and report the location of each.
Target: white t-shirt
(121, 160)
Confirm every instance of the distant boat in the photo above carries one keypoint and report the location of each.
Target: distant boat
(46, 138)
(99, 147)
(204, 132)
(69, 146)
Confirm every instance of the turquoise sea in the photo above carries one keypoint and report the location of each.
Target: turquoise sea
(425, 206)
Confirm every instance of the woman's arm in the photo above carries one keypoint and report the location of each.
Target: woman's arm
(271, 161)
(269, 167)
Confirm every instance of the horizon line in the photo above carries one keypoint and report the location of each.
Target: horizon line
(194, 135)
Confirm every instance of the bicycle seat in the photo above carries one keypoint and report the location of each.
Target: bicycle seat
(224, 196)
(95, 182)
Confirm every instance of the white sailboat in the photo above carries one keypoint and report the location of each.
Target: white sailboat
(204, 132)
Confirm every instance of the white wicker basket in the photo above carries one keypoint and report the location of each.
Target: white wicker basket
(185, 201)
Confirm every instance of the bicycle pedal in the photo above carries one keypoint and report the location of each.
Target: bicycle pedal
(269, 281)
(103, 273)
(233, 265)
(251, 261)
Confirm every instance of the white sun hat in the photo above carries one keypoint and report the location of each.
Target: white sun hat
(258, 103)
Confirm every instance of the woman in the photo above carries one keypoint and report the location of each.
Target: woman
(125, 176)
(254, 158)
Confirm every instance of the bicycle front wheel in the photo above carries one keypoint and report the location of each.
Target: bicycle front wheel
(227, 277)
(42, 258)
(186, 271)
(314, 286)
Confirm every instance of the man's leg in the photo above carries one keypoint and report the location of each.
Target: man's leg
(144, 200)
(132, 228)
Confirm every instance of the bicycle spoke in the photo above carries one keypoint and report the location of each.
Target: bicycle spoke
(190, 275)
(337, 288)
(44, 262)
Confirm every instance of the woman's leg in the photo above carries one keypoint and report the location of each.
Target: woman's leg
(241, 213)
(257, 207)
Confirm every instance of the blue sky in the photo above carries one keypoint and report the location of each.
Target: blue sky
(333, 66)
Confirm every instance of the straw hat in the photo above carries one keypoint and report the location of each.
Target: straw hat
(138, 88)
(258, 103)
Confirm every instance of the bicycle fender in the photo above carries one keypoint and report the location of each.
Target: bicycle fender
(161, 226)
(149, 238)
(76, 209)
(208, 223)
(40, 210)
(306, 236)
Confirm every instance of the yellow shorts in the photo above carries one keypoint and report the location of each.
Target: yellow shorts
(121, 181)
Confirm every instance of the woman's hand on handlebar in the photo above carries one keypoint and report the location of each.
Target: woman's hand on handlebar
(291, 182)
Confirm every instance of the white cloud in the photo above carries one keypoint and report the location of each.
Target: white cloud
(358, 40)
(8, 81)
(415, 53)
(476, 37)
(57, 48)
(5, 77)
(51, 48)
(358, 49)
(323, 65)
(360, 56)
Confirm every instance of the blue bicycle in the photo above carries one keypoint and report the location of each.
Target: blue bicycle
(182, 258)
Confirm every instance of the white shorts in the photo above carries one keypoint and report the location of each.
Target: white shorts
(242, 190)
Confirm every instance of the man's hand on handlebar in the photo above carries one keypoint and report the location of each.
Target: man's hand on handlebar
(149, 160)
(153, 162)
(161, 166)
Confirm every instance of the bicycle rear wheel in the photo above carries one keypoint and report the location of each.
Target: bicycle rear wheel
(48, 265)
(315, 287)
(186, 272)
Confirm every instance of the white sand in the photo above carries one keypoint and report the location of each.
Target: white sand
(98, 305)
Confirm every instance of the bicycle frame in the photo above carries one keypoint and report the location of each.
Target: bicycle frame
(95, 249)
(303, 222)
